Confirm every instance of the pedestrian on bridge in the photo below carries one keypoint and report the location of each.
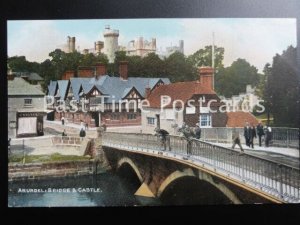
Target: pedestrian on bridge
(197, 131)
(252, 135)
(268, 135)
(260, 132)
(236, 139)
(163, 136)
(247, 134)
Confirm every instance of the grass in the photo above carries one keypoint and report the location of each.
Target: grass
(56, 157)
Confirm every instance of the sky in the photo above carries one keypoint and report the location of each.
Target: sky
(257, 40)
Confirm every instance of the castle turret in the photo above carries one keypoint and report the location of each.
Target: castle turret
(110, 43)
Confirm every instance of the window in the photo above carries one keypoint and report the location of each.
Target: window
(27, 102)
(151, 120)
(131, 116)
(115, 116)
(205, 120)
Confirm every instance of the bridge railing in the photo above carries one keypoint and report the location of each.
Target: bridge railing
(281, 136)
(279, 180)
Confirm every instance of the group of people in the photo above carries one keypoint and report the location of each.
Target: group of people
(187, 132)
(251, 132)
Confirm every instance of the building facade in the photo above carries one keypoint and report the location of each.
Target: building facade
(25, 108)
(189, 103)
(100, 98)
(141, 47)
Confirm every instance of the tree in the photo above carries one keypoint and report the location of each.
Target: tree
(47, 72)
(203, 57)
(234, 79)
(179, 68)
(151, 66)
(282, 88)
(20, 64)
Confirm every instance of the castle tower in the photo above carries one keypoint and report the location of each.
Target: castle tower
(110, 43)
(181, 46)
(98, 46)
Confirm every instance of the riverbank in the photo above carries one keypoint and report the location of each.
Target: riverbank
(43, 170)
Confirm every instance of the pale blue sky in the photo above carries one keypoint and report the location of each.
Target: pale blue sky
(256, 40)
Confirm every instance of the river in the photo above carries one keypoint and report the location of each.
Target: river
(106, 189)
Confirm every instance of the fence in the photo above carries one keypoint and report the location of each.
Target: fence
(281, 137)
(279, 180)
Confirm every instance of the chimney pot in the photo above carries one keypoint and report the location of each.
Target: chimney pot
(123, 70)
(206, 77)
(100, 69)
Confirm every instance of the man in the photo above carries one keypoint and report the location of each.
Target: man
(268, 136)
(197, 131)
(247, 134)
(236, 139)
(63, 120)
(64, 133)
(82, 133)
(260, 132)
(163, 136)
(252, 135)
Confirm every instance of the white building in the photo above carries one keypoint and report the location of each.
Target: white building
(25, 108)
(246, 101)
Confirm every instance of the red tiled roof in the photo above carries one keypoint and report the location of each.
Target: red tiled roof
(177, 91)
(238, 119)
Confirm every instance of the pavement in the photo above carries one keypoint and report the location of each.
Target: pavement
(287, 156)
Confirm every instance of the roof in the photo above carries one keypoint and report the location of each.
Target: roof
(35, 76)
(111, 86)
(177, 91)
(18, 86)
(238, 119)
(76, 84)
(31, 76)
(52, 88)
(62, 86)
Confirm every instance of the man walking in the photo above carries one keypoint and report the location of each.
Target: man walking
(236, 139)
(260, 132)
(247, 134)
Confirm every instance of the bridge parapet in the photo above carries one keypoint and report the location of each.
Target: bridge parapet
(280, 181)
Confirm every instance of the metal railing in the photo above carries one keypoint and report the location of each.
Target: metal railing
(281, 136)
(66, 140)
(279, 180)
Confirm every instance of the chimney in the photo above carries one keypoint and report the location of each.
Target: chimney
(147, 92)
(68, 74)
(206, 77)
(123, 70)
(85, 71)
(100, 69)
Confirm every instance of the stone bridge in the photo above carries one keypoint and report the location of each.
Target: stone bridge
(160, 177)
(177, 178)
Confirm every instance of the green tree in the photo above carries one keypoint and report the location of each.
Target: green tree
(179, 68)
(47, 71)
(234, 79)
(20, 64)
(282, 89)
(151, 66)
(203, 57)
(57, 60)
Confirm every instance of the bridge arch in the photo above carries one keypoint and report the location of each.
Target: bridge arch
(202, 176)
(126, 160)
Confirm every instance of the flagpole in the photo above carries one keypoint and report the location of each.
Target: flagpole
(213, 59)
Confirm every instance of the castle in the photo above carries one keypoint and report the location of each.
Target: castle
(110, 45)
